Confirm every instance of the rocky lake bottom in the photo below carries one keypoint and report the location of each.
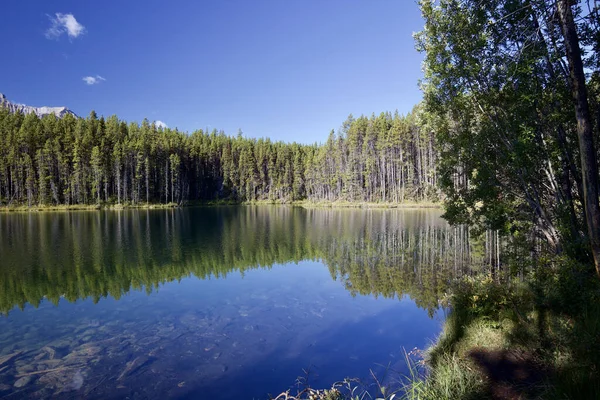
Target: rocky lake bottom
(152, 306)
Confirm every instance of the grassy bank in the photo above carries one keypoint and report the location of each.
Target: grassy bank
(531, 338)
(82, 207)
(349, 204)
(303, 203)
(329, 204)
(538, 338)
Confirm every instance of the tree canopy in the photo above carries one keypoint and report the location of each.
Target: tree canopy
(510, 90)
(93, 160)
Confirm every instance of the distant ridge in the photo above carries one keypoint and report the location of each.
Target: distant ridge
(39, 111)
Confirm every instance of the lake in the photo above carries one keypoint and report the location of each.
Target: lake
(217, 302)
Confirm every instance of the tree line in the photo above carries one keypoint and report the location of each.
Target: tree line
(512, 91)
(93, 160)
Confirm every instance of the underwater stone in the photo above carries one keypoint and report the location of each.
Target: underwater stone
(44, 364)
(23, 381)
(24, 369)
(210, 347)
(134, 365)
(7, 358)
(148, 340)
(60, 343)
(61, 379)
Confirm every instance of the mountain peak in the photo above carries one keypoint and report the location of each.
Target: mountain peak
(39, 111)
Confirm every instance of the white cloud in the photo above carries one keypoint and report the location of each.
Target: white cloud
(93, 80)
(64, 23)
(160, 124)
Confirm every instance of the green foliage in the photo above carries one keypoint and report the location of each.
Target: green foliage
(478, 304)
(453, 378)
(497, 95)
(482, 296)
(553, 318)
(69, 161)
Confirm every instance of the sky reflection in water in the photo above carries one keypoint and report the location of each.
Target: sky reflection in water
(224, 302)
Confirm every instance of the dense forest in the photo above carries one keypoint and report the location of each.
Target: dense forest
(507, 135)
(51, 161)
(512, 91)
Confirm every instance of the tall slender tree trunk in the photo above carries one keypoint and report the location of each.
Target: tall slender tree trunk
(118, 168)
(147, 173)
(167, 181)
(589, 164)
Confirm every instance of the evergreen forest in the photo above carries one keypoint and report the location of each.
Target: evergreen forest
(506, 138)
(512, 92)
(73, 161)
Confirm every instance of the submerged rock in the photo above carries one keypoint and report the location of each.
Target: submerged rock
(148, 340)
(191, 320)
(94, 323)
(210, 347)
(25, 369)
(45, 364)
(83, 355)
(165, 330)
(134, 365)
(46, 352)
(8, 357)
(62, 379)
(155, 351)
(60, 344)
(77, 381)
(243, 311)
(23, 381)
(89, 350)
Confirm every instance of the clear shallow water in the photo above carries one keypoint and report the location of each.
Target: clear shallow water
(219, 303)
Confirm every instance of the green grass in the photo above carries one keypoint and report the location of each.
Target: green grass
(82, 207)
(224, 202)
(535, 339)
(453, 378)
(549, 324)
(361, 204)
(327, 204)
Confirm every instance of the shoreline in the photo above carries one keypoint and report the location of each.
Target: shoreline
(302, 203)
(83, 207)
(369, 205)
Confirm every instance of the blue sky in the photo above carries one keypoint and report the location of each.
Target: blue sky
(286, 69)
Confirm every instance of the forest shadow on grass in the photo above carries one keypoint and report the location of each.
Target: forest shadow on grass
(509, 374)
(533, 339)
(538, 339)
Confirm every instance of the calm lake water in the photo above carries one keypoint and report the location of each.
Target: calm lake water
(216, 302)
